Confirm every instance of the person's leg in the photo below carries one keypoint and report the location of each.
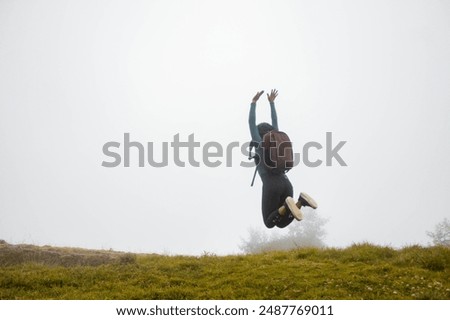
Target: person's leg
(270, 203)
(288, 191)
(276, 189)
(285, 221)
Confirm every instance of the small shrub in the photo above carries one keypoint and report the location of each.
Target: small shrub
(127, 258)
(431, 258)
(365, 252)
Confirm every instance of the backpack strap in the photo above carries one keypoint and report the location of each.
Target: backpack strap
(254, 176)
(253, 144)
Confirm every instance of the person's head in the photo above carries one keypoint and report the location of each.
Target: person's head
(263, 128)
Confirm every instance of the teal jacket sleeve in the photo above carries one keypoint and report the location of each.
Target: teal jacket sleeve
(252, 123)
(273, 112)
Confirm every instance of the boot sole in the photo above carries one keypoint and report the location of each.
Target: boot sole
(310, 201)
(295, 211)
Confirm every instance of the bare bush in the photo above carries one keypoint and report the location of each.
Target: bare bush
(441, 234)
(308, 233)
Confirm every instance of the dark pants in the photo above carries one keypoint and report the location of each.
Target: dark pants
(276, 187)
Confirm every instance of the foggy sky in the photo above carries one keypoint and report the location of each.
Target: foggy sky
(77, 74)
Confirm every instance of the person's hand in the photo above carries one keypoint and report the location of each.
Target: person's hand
(273, 95)
(256, 97)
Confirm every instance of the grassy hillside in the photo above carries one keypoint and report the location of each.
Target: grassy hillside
(359, 272)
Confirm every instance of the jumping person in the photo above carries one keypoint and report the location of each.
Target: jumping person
(278, 207)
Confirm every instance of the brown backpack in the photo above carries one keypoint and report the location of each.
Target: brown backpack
(277, 151)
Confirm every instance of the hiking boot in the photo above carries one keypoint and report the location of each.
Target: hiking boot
(290, 204)
(306, 200)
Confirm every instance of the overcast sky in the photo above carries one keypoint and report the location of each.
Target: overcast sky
(77, 74)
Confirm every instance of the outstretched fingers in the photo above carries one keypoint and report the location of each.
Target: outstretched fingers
(273, 95)
(258, 94)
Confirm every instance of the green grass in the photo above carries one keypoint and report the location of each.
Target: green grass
(362, 271)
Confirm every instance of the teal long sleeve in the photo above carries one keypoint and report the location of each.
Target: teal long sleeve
(273, 113)
(252, 123)
(262, 170)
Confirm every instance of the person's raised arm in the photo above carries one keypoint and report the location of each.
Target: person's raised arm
(252, 118)
(273, 111)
